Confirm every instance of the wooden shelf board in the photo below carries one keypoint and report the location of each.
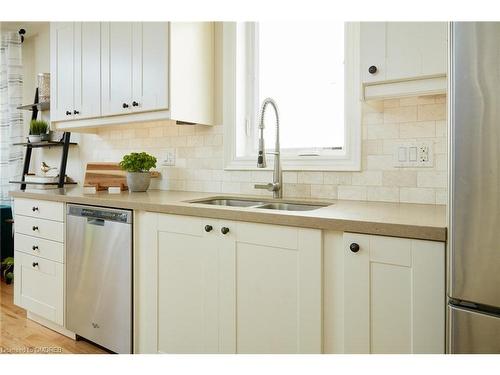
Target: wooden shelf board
(43, 106)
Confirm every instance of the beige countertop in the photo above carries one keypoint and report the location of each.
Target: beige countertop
(418, 221)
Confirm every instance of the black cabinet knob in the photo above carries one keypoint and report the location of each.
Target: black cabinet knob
(68, 113)
(372, 69)
(35, 264)
(34, 228)
(34, 247)
(125, 105)
(208, 228)
(354, 247)
(75, 112)
(135, 104)
(224, 230)
(34, 209)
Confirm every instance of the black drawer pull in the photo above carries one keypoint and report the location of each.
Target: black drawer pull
(34, 209)
(34, 228)
(34, 247)
(208, 228)
(35, 264)
(224, 230)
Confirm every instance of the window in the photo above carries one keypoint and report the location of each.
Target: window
(311, 70)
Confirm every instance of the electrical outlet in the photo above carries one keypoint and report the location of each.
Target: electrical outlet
(423, 153)
(413, 155)
(169, 158)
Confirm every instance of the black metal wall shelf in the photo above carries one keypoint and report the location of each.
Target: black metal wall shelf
(62, 169)
(43, 106)
(41, 183)
(43, 144)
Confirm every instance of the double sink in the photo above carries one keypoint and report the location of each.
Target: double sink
(269, 205)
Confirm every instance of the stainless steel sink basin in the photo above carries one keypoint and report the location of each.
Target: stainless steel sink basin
(231, 202)
(291, 206)
(264, 204)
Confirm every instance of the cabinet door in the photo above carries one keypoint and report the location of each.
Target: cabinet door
(177, 305)
(150, 66)
(277, 289)
(372, 54)
(403, 50)
(38, 287)
(116, 39)
(87, 70)
(415, 49)
(62, 70)
(394, 296)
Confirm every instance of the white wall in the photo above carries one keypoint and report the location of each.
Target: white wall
(199, 151)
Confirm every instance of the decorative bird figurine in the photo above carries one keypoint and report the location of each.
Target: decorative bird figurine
(45, 168)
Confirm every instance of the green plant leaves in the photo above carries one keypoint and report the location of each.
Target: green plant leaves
(38, 127)
(138, 162)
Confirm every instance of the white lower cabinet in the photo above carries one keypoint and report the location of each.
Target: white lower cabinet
(39, 261)
(39, 286)
(384, 294)
(215, 286)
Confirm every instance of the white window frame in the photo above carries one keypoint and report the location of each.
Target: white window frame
(235, 100)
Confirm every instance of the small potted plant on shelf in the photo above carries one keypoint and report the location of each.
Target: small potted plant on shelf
(137, 165)
(7, 267)
(38, 131)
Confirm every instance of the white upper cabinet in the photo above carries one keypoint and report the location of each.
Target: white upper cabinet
(135, 67)
(87, 70)
(75, 70)
(62, 36)
(150, 68)
(403, 58)
(118, 72)
(117, 58)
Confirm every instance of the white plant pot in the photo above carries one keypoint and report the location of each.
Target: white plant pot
(34, 138)
(138, 181)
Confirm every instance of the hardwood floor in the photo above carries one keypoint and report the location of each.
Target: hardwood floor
(21, 335)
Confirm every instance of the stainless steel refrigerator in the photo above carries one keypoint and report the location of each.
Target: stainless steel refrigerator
(474, 238)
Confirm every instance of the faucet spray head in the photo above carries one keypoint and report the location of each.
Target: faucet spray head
(261, 156)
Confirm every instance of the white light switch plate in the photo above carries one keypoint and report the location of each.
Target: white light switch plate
(169, 158)
(413, 155)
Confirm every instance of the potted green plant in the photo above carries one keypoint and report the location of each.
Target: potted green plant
(38, 131)
(7, 267)
(137, 165)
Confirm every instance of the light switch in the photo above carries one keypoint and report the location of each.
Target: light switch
(402, 154)
(413, 153)
(169, 159)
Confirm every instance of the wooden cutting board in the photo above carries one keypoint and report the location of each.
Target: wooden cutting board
(103, 175)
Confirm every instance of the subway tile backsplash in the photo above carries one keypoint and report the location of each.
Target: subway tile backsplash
(199, 157)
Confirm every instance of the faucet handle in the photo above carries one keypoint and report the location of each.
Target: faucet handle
(272, 186)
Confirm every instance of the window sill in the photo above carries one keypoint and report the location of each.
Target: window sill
(318, 164)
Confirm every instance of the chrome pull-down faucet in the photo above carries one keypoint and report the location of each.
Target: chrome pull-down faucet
(277, 185)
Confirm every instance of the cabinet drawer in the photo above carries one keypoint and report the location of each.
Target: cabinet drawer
(41, 209)
(39, 286)
(47, 229)
(39, 247)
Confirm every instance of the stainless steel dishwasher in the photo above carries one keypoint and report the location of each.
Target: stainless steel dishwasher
(99, 275)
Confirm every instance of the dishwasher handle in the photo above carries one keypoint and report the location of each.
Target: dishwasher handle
(92, 221)
(100, 213)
